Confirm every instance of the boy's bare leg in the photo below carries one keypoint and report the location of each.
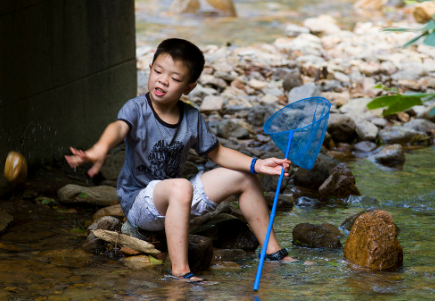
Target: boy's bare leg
(221, 183)
(173, 199)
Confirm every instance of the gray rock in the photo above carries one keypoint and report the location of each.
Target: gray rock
(420, 125)
(200, 252)
(227, 128)
(389, 154)
(366, 131)
(109, 223)
(283, 202)
(304, 91)
(5, 220)
(315, 177)
(340, 184)
(330, 85)
(361, 201)
(357, 109)
(293, 79)
(269, 183)
(365, 146)
(304, 201)
(93, 243)
(113, 165)
(426, 113)
(341, 127)
(401, 135)
(212, 103)
(201, 92)
(319, 26)
(380, 122)
(293, 30)
(315, 236)
(97, 196)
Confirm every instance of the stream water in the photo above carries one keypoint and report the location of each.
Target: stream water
(40, 256)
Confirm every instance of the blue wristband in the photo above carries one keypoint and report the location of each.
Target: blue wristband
(253, 166)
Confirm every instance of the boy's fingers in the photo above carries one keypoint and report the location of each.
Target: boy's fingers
(95, 169)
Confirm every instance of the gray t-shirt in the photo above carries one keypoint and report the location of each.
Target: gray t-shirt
(156, 150)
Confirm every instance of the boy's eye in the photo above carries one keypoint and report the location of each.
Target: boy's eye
(158, 72)
(177, 80)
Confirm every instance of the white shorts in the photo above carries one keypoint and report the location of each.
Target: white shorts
(144, 214)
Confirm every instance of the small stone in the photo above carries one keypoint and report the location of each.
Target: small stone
(257, 84)
(293, 30)
(389, 154)
(304, 91)
(365, 146)
(212, 103)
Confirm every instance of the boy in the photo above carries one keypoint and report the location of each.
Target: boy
(158, 130)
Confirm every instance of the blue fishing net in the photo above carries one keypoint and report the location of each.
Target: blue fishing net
(302, 124)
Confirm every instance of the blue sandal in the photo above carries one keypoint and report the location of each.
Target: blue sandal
(275, 256)
(186, 277)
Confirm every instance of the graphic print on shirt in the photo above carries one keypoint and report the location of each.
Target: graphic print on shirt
(164, 160)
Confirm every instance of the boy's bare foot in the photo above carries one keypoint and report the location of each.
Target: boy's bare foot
(288, 259)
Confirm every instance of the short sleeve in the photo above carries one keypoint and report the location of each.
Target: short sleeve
(207, 141)
(129, 113)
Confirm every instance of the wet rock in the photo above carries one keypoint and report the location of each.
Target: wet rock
(109, 223)
(5, 220)
(113, 165)
(373, 243)
(229, 254)
(269, 183)
(304, 201)
(348, 222)
(304, 91)
(315, 177)
(333, 228)
(420, 125)
(365, 146)
(105, 223)
(114, 210)
(228, 234)
(362, 201)
(293, 30)
(96, 196)
(212, 103)
(341, 183)
(284, 201)
(401, 135)
(93, 243)
(389, 154)
(228, 128)
(341, 127)
(315, 236)
(366, 131)
(67, 258)
(200, 252)
(138, 262)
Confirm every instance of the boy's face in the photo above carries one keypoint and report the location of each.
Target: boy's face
(168, 80)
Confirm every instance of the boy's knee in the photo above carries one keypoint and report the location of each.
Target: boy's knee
(182, 190)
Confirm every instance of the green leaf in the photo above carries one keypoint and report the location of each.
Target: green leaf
(383, 101)
(403, 104)
(430, 39)
(83, 195)
(429, 25)
(155, 260)
(412, 41)
(397, 29)
(77, 230)
(379, 86)
(46, 201)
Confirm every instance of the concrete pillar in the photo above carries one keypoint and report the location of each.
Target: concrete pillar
(66, 68)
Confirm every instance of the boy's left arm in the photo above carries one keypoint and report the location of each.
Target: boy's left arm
(233, 159)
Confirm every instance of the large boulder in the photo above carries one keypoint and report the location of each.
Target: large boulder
(341, 127)
(315, 177)
(96, 196)
(401, 135)
(315, 236)
(373, 243)
(340, 184)
(228, 234)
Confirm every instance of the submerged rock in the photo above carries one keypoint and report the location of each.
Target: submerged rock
(373, 243)
(340, 184)
(305, 201)
(229, 254)
(315, 236)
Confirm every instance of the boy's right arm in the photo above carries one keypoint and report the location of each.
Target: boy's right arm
(114, 134)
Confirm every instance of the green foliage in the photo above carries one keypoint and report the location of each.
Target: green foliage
(427, 32)
(155, 260)
(397, 103)
(83, 195)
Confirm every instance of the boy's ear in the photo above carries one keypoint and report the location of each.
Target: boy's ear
(189, 88)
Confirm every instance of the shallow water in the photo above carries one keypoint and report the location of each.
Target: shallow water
(257, 21)
(40, 256)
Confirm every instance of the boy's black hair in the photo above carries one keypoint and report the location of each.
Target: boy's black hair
(184, 51)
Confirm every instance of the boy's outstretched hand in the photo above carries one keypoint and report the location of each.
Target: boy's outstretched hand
(272, 166)
(95, 155)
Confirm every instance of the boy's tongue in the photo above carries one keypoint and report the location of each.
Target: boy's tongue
(159, 92)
